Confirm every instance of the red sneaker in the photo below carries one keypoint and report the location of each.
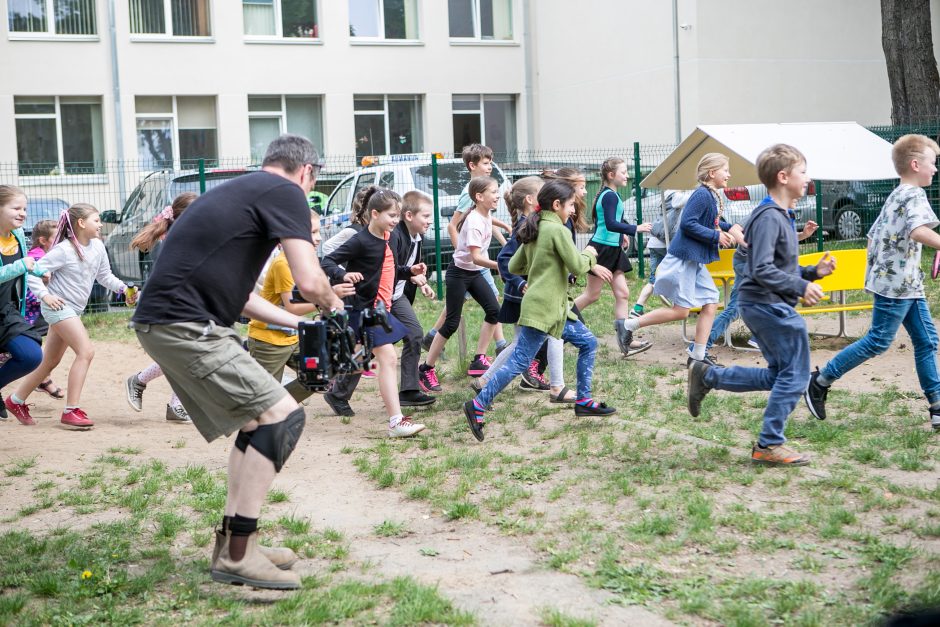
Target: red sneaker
(76, 418)
(20, 411)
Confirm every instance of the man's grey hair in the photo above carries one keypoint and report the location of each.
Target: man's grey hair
(291, 152)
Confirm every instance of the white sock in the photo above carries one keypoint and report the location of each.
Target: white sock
(17, 400)
(394, 420)
(698, 352)
(631, 324)
(69, 408)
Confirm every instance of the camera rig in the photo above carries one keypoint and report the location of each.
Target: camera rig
(327, 346)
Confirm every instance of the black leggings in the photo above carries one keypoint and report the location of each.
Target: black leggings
(459, 282)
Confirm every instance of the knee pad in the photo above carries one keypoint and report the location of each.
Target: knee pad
(242, 440)
(277, 441)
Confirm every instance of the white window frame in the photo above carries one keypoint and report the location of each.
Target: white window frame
(477, 38)
(60, 147)
(384, 112)
(168, 36)
(480, 111)
(50, 33)
(278, 37)
(174, 121)
(358, 40)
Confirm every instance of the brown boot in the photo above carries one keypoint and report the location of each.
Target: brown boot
(254, 569)
(280, 556)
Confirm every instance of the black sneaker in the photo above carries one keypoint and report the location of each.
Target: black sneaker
(479, 366)
(532, 381)
(711, 360)
(427, 379)
(697, 387)
(601, 410)
(3, 409)
(815, 396)
(935, 419)
(338, 405)
(415, 398)
(624, 337)
(426, 342)
(469, 411)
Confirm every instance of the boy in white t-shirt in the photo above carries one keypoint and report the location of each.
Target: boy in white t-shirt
(905, 224)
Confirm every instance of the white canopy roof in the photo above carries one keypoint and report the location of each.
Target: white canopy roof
(835, 151)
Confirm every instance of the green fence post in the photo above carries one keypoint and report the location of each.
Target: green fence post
(639, 206)
(819, 216)
(202, 176)
(437, 227)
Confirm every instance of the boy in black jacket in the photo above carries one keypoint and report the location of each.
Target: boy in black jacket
(768, 290)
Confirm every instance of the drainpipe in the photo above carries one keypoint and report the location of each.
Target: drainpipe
(529, 55)
(116, 95)
(675, 68)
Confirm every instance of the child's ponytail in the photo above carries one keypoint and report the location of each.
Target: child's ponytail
(373, 198)
(66, 230)
(158, 228)
(552, 191)
(515, 197)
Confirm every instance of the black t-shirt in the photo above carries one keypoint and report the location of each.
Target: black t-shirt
(214, 253)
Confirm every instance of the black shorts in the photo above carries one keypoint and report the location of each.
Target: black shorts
(613, 258)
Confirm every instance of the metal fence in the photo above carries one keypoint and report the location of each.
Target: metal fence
(129, 194)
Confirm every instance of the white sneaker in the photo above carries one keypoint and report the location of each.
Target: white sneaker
(405, 429)
(753, 343)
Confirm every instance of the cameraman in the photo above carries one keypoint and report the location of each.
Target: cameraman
(198, 288)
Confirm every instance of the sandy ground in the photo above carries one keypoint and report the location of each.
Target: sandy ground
(497, 577)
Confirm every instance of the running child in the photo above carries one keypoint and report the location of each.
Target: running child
(608, 240)
(682, 277)
(546, 258)
(894, 277)
(479, 162)
(464, 275)
(17, 337)
(41, 241)
(76, 261)
(148, 242)
(658, 242)
(771, 285)
(368, 262)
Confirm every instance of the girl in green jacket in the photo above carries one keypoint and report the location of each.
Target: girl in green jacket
(547, 257)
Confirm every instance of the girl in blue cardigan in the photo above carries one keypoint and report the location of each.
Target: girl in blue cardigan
(682, 277)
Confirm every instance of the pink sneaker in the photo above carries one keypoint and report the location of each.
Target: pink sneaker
(478, 366)
(20, 411)
(368, 374)
(77, 418)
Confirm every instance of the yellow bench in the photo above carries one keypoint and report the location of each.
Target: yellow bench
(849, 276)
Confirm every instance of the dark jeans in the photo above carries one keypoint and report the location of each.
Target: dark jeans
(343, 387)
(459, 283)
(887, 316)
(730, 313)
(781, 334)
(25, 355)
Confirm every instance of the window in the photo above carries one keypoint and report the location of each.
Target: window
(68, 17)
(58, 135)
(179, 18)
(489, 120)
(388, 125)
(383, 19)
(480, 19)
(176, 130)
(269, 116)
(281, 18)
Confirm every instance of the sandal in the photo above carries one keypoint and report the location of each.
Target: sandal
(561, 397)
(51, 389)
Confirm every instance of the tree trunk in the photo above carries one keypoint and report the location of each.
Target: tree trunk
(912, 68)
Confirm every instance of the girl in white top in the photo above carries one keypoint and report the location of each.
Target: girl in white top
(76, 260)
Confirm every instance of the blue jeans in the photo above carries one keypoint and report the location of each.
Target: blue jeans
(887, 315)
(730, 313)
(528, 342)
(781, 334)
(25, 355)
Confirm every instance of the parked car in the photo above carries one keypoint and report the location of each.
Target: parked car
(155, 192)
(403, 173)
(38, 209)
